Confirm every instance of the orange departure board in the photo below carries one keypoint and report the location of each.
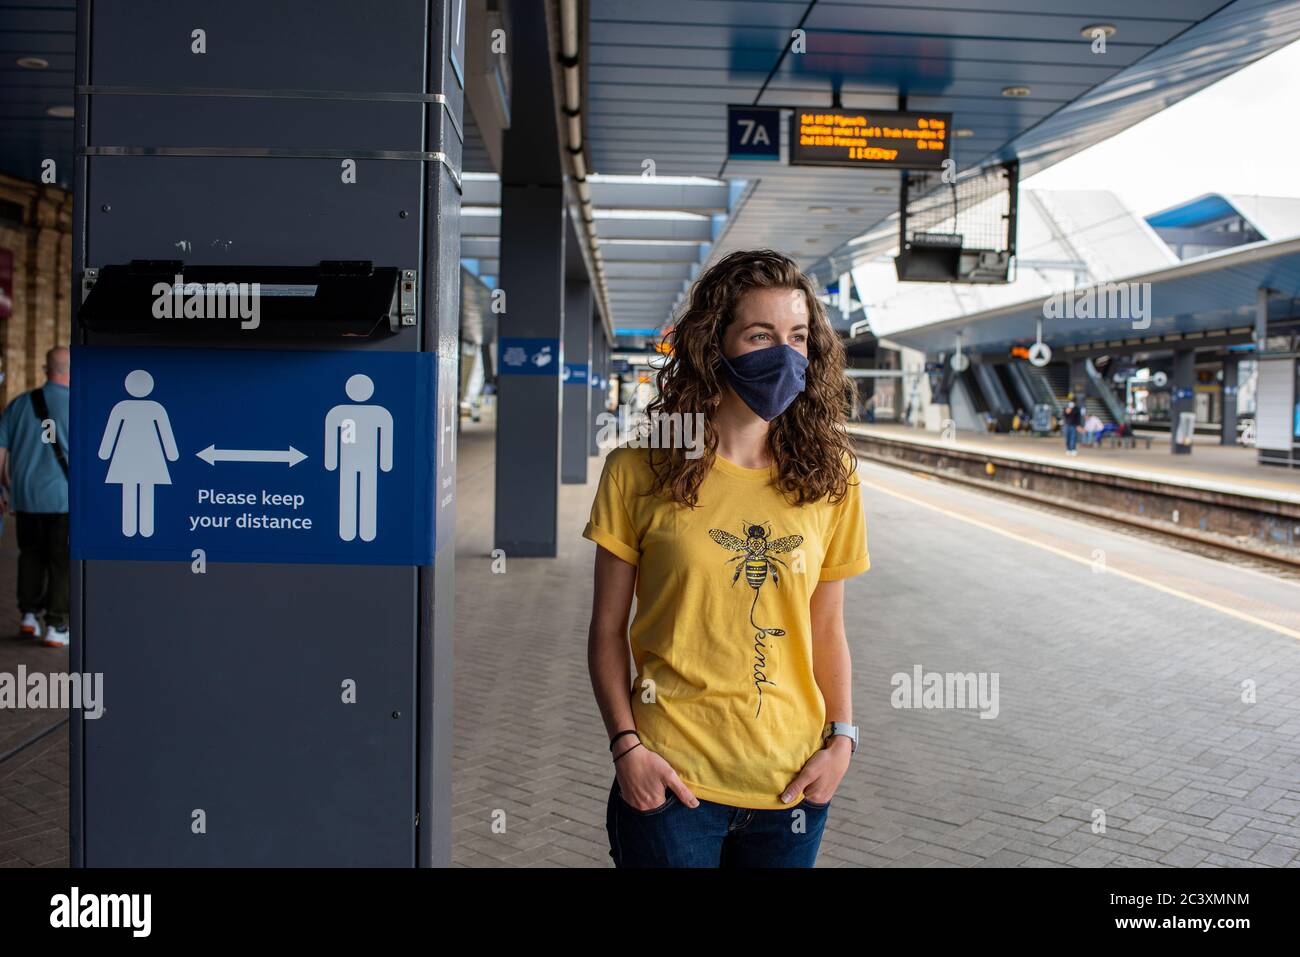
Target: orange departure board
(888, 139)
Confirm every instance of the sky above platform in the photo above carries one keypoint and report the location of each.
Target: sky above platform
(1164, 160)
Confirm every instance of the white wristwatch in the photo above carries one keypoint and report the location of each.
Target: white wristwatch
(849, 731)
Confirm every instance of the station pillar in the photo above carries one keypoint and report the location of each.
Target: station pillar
(1079, 383)
(531, 329)
(578, 394)
(266, 287)
(1228, 429)
(1182, 405)
(599, 383)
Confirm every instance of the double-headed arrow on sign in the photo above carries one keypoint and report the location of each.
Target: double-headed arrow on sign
(212, 455)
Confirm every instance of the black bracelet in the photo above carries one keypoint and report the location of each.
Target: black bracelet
(625, 753)
(616, 737)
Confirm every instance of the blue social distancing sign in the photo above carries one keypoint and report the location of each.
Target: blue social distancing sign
(253, 455)
(528, 356)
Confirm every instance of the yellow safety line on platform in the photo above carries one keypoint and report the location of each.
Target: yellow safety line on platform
(1110, 569)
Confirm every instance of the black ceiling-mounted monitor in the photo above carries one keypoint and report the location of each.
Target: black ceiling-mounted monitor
(958, 230)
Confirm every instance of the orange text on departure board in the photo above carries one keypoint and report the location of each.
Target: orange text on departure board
(855, 132)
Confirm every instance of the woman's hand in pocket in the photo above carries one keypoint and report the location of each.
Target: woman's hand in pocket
(643, 776)
(821, 776)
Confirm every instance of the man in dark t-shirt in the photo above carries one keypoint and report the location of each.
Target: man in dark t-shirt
(1070, 421)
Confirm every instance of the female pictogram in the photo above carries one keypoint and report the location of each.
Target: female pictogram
(139, 441)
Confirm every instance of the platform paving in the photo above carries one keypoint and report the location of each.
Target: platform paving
(1121, 666)
(1120, 694)
(34, 782)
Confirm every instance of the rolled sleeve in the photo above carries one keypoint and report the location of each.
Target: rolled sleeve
(611, 543)
(611, 525)
(846, 553)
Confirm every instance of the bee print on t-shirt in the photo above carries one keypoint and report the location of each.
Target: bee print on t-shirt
(757, 560)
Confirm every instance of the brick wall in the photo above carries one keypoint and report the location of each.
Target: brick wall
(42, 303)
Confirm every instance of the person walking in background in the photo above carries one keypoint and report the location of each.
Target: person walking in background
(34, 472)
(1071, 419)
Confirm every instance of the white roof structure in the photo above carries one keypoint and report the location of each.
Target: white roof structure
(1065, 239)
(1276, 217)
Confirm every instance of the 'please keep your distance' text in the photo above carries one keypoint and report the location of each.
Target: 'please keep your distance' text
(249, 519)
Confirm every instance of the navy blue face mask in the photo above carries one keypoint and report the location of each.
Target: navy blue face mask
(768, 380)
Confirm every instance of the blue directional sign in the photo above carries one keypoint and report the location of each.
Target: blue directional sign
(753, 133)
(520, 356)
(575, 373)
(253, 456)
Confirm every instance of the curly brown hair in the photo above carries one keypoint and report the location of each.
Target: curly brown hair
(808, 441)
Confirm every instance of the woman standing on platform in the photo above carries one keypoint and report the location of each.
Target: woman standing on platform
(738, 728)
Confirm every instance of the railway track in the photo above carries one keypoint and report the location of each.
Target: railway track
(1227, 527)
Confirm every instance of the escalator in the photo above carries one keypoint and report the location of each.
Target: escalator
(1050, 384)
(1107, 407)
(995, 394)
(974, 394)
(1017, 387)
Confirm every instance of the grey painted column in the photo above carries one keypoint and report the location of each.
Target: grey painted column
(532, 276)
(1079, 383)
(1228, 430)
(224, 681)
(1261, 316)
(577, 390)
(598, 383)
(1182, 396)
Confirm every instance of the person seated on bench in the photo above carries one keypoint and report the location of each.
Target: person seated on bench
(1092, 428)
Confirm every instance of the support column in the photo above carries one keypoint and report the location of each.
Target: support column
(598, 383)
(1228, 427)
(577, 392)
(288, 690)
(1079, 383)
(531, 329)
(1182, 398)
(1261, 316)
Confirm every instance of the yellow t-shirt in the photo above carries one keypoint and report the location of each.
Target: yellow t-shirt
(722, 636)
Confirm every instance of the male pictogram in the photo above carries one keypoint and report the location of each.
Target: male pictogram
(358, 444)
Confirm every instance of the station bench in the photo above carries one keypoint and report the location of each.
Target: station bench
(1114, 441)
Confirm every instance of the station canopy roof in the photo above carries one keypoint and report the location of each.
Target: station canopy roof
(661, 75)
(1210, 294)
(1216, 293)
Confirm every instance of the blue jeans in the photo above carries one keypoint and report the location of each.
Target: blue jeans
(713, 835)
(1071, 437)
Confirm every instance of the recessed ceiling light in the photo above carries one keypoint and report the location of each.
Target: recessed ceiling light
(1090, 31)
(853, 210)
(33, 63)
(1015, 91)
(961, 134)
(62, 112)
(819, 209)
(812, 240)
(882, 189)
